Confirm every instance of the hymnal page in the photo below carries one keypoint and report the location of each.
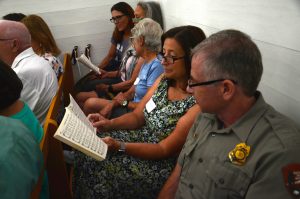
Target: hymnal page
(75, 130)
(85, 61)
(74, 107)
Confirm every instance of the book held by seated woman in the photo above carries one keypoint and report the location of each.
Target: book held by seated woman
(78, 132)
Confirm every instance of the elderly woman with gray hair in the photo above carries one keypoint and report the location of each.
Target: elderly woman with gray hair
(146, 40)
(144, 144)
(149, 9)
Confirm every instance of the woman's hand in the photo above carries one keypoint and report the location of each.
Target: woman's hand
(100, 122)
(103, 74)
(120, 98)
(107, 110)
(94, 76)
(102, 87)
(113, 145)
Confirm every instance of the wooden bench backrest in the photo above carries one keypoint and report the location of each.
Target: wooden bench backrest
(59, 183)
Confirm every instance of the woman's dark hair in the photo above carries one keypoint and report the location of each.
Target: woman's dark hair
(10, 86)
(127, 10)
(187, 37)
(14, 16)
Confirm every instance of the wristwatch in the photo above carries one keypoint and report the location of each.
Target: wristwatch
(122, 147)
(125, 103)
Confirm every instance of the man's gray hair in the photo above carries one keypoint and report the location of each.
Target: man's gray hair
(151, 32)
(231, 54)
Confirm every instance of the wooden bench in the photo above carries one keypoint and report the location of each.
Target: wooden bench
(54, 164)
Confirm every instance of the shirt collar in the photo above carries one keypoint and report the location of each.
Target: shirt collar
(243, 127)
(26, 53)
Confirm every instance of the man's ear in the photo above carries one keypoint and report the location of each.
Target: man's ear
(228, 89)
(15, 45)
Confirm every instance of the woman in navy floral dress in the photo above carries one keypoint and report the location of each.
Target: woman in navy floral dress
(142, 156)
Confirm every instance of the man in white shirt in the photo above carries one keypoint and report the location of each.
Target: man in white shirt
(38, 78)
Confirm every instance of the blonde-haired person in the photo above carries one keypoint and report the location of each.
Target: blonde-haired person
(43, 42)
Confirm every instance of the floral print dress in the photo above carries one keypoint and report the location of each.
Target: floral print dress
(122, 176)
(55, 64)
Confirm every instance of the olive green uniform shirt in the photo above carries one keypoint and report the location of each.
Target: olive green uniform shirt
(20, 160)
(208, 173)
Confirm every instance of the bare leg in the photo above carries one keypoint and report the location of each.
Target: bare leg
(83, 96)
(94, 105)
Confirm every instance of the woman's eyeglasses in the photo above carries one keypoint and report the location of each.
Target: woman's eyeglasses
(168, 59)
(116, 19)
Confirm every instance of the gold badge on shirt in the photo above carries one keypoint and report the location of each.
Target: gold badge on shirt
(239, 154)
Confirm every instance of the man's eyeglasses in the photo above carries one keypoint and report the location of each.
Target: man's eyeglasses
(5, 39)
(192, 84)
(168, 59)
(116, 19)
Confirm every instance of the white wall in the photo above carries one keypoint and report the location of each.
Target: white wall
(76, 22)
(273, 24)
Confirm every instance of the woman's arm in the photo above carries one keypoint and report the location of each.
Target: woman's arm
(168, 147)
(123, 86)
(111, 54)
(131, 120)
(109, 74)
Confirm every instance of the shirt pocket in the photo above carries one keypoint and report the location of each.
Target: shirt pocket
(228, 180)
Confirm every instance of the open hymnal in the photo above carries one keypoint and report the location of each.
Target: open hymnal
(78, 132)
(85, 61)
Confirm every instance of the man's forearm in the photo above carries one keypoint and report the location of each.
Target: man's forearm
(169, 189)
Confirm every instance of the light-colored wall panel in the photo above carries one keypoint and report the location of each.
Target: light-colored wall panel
(273, 25)
(272, 21)
(72, 23)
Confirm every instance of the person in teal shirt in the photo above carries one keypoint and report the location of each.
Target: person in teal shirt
(20, 160)
(11, 106)
(28, 118)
